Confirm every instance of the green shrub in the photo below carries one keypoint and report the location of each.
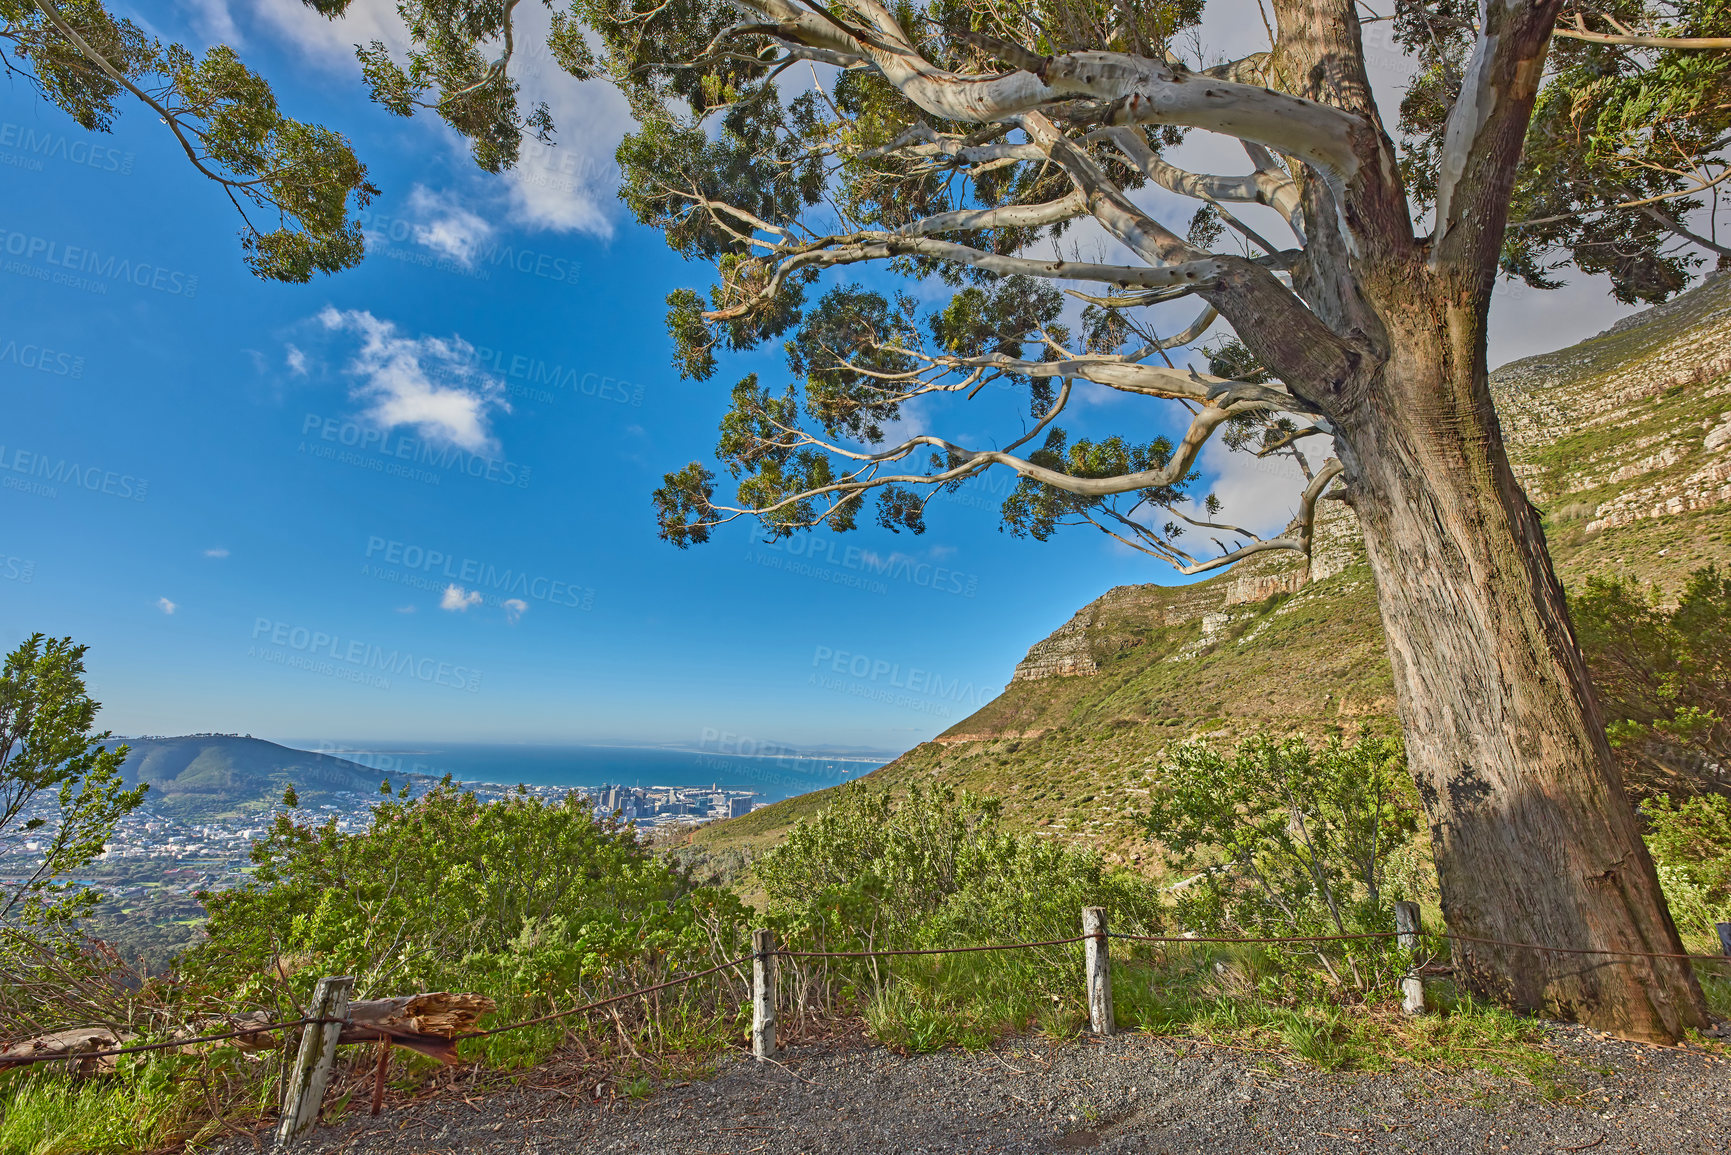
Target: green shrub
(936, 870)
(1283, 838)
(536, 904)
(1691, 845)
(1663, 678)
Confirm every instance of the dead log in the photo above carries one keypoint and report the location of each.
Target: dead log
(430, 1024)
(67, 1045)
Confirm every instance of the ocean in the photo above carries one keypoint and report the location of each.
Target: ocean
(586, 767)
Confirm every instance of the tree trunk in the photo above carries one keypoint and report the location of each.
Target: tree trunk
(1535, 841)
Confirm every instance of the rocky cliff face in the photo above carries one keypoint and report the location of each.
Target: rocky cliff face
(1632, 425)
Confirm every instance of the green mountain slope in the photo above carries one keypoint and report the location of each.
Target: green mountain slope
(1624, 441)
(209, 775)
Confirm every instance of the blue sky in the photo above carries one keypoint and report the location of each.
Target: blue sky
(443, 459)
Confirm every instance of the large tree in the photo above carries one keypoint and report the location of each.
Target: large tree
(958, 138)
(956, 142)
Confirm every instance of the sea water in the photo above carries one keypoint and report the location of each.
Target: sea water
(586, 767)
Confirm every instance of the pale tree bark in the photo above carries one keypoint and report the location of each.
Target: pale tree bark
(1534, 839)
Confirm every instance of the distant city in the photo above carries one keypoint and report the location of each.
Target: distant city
(186, 857)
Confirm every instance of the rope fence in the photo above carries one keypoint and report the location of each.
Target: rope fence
(331, 1006)
(927, 950)
(685, 978)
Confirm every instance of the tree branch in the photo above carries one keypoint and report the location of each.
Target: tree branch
(1137, 91)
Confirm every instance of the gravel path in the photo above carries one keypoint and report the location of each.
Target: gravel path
(1131, 1093)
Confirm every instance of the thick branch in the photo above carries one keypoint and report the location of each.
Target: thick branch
(1268, 186)
(829, 252)
(1485, 130)
(1138, 91)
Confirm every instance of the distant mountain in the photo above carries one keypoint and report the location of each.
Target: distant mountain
(211, 774)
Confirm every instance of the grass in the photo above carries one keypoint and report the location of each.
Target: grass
(51, 1114)
(1181, 992)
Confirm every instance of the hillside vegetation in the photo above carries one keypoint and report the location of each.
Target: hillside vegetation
(215, 775)
(1629, 488)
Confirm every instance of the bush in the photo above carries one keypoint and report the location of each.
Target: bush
(1281, 838)
(936, 870)
(1663, 679)
(537, 905)
(1691, 846)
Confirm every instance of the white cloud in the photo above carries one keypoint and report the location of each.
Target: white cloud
(296, 361)
(212, 20)
(567, 188)
(330, 43)
(166, 606)
(515, 608)
(405, 609)
(1260, 494)
(572, 186)
(459, 599)
(219, 551)
(446, 227)
(431, 384)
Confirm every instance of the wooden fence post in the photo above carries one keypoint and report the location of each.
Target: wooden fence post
(306, 1086)
(763, 949)
(1724, 929)
(1406, 931)
(1098, 954)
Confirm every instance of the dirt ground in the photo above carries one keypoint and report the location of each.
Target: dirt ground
(1130, 1093)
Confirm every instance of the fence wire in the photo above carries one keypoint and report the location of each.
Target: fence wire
(79, 1056)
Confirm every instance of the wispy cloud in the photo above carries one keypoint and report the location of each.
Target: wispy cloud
(218, 551)
(329, 43)
(1260, 494)
(446, 226)
(459, 599)
(434, 385)
(212, 21)
(296, 361)
(515, 608)
(166, 606)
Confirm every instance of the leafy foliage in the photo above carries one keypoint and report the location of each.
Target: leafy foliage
(1691, 845)
(1285, 838)
(538, 905)
(935, 869)
(223, 115)
(1612, 125)
(1663, 679)
(61, 790)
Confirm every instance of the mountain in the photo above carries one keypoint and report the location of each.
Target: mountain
(208, 775)
(1623, 441)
